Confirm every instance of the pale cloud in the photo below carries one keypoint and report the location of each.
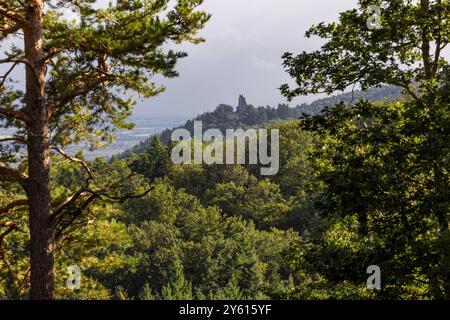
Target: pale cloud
(264, 65)
(235, 35)
(245, 42)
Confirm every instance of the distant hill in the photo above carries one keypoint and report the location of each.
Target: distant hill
(246, 115)
(374, 94)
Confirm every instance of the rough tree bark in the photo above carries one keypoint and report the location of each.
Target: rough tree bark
(38, 188)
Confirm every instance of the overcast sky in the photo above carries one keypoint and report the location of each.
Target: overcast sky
(245, 40)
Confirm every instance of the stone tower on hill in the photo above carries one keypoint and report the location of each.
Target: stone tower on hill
(242, 106)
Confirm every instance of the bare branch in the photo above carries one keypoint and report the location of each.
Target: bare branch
(12, 205)
(68, 201)
(6, 223)
(81, 162)
(19, 59)
(15, 139)
(129, 196)
(12, 15)
(10, 112)
(50, 55)
(14, 59)
(11, 227)
(96, 193)
(5, 76)
(59, 234)
(79, 209)
(10, 174)
(9, 30)
(16, 115)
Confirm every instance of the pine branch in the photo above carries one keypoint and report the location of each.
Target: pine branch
(12, 15)
(73, 159)
(12, 205)
(10, 174)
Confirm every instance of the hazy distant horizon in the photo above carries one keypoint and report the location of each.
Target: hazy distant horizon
(242, 55)
(245, 40)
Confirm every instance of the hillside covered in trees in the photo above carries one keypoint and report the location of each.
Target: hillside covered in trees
(246, 115)
(363, 183)
(202, 232)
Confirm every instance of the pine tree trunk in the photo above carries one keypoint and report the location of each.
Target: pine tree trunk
(38, 189)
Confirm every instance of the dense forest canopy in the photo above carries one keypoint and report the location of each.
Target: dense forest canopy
(383, 168)
(364, 176)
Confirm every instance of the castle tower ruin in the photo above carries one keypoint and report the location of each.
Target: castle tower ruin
(242, 105)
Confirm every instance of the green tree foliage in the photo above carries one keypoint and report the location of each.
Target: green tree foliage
(399, 53)
(185, 249)
(261, 202)
(363, 182)
(79, 73)
(377, 163)
(382, 168)
(96, 242)
(155, 162)
(225, 117)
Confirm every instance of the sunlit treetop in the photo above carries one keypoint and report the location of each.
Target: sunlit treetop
(97, 57)
(409, 46)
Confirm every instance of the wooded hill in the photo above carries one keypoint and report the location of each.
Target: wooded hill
(246, 115)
